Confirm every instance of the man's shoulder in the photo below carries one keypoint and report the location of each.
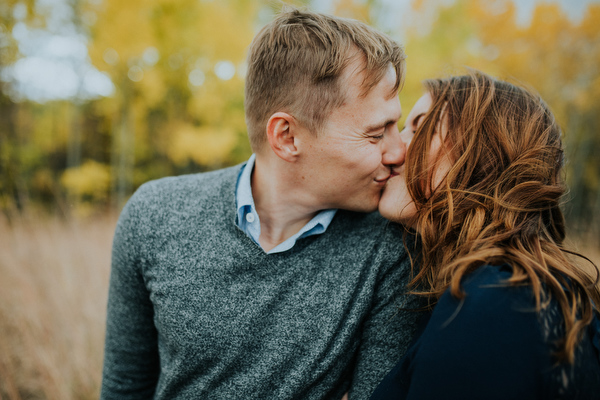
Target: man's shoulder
(199, 182)
(184, 189)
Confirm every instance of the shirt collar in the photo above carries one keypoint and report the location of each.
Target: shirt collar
(244, 189)
(248, 220)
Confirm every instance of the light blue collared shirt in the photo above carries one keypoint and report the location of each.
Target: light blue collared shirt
(249, 223)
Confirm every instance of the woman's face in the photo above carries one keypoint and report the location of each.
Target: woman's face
(396, 203)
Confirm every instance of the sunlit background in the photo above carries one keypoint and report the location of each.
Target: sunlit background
(100, 96)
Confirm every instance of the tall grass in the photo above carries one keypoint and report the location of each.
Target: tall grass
(53, 287)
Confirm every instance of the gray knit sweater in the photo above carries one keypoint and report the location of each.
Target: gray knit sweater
(197, 310)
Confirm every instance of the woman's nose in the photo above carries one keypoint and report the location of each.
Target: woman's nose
(395, 151)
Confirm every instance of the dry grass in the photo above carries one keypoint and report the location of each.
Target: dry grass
(53, 288)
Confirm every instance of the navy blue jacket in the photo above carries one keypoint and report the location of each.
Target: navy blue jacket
(493, 345)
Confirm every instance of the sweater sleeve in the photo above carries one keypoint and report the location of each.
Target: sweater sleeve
(487, 346)
(131, 362)
(388, 329)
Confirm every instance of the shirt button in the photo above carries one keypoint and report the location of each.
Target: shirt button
(250, 217)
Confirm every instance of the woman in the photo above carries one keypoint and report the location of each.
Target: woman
(512, 316)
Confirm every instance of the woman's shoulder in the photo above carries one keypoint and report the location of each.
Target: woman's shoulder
(488, 276)
(485, 345)
(488, 295)
(500, 312)
(496, 323)
(491, 344)
(489, 302)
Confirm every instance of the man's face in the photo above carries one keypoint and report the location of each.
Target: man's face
(350, 160)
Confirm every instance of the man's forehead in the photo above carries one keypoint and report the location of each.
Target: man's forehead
(358, 82)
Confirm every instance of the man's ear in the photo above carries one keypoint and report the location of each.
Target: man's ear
(281, 133)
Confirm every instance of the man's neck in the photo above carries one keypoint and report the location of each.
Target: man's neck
(280, 203)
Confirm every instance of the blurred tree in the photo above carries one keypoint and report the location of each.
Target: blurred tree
(88, 184)
(178, 69)
(13, 193)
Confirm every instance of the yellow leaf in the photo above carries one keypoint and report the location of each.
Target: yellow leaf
(87, 182)
(203, 145)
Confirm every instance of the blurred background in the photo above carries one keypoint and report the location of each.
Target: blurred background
(100, 96)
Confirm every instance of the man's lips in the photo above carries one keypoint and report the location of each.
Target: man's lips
(384, 180)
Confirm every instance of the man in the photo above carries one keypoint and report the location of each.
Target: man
(269, 280)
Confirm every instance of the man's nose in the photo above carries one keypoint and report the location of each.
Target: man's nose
(395, 150)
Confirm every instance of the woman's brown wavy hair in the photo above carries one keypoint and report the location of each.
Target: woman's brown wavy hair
(500, 201)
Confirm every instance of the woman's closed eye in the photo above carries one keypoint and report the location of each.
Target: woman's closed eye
(417, 122)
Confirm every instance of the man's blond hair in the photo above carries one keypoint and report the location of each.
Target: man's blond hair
(295, 62)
